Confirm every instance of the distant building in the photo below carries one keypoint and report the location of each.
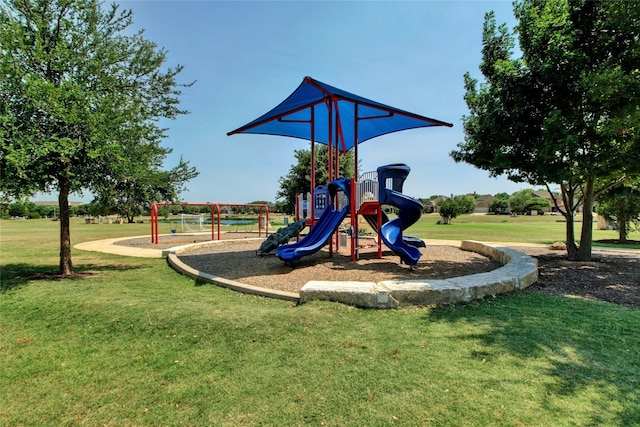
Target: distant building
(433, 205)
(483, 202)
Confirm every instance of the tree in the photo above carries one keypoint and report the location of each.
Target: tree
(450, 209)
(466, 202)
(622, 204)
(298, 180)
(18, 209)
(566, 112)
(524, 201)
(79, 99)
(500, 202)
(134, 192)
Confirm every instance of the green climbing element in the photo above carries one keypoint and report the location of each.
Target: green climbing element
(282, 236)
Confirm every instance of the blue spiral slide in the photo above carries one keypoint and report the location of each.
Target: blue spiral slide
(322, 230)
(409, 209)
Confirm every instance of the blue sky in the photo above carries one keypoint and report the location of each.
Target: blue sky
(246, 57)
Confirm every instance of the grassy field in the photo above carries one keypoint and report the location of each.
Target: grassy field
(544, 229)
(138, 344)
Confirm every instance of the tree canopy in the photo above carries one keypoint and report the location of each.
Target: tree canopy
(499, 203)
(449, 210)
(80, 101)
(566, 111)
(524, 201)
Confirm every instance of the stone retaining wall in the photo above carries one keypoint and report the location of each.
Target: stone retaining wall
(173, 258)
(518, 272)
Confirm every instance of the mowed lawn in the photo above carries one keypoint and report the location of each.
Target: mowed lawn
(136, 344)
(544, 229)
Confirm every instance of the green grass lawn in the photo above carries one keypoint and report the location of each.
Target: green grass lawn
(138, 344)
(543, 229)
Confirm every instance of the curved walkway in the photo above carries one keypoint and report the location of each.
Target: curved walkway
(109, 246)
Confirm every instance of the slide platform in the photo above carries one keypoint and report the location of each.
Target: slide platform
(322, 230)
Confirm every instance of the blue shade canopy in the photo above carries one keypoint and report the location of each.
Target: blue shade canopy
(322, 113)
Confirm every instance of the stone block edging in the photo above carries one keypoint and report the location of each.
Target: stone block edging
(518, 271)
(172, 255)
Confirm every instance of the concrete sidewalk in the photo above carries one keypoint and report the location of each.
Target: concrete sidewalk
(109, 246)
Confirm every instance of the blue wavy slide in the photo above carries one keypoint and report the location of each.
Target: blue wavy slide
(410, 211)
(409, 240)
(322, 230)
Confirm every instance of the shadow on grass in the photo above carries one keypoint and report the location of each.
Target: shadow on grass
(592, 349)
(17, 275)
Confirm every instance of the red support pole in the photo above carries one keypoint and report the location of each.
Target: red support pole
(312, 209)
(154, 223)
(330, 140)
(157, 225)
(213, 228)
(218, 208)
(354, 219)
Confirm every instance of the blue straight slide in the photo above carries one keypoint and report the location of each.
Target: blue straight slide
(322, 230)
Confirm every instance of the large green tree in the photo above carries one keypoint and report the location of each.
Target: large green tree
(298, 180)
(80, 99)
(566, 111)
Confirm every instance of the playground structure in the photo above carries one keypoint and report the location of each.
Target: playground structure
(321, 113)
(263, 220)
(365, 197)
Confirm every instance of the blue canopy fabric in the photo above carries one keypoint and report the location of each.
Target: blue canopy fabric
(321, 113)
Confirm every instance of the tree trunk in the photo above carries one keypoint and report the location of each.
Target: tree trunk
(567, 212)
(66, 268)
(622, 230)
(572, 248)
(586, 237)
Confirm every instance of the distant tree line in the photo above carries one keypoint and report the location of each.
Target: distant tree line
(521, 202)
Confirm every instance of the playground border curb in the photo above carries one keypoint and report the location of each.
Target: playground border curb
(518, 271)
(172, 255)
